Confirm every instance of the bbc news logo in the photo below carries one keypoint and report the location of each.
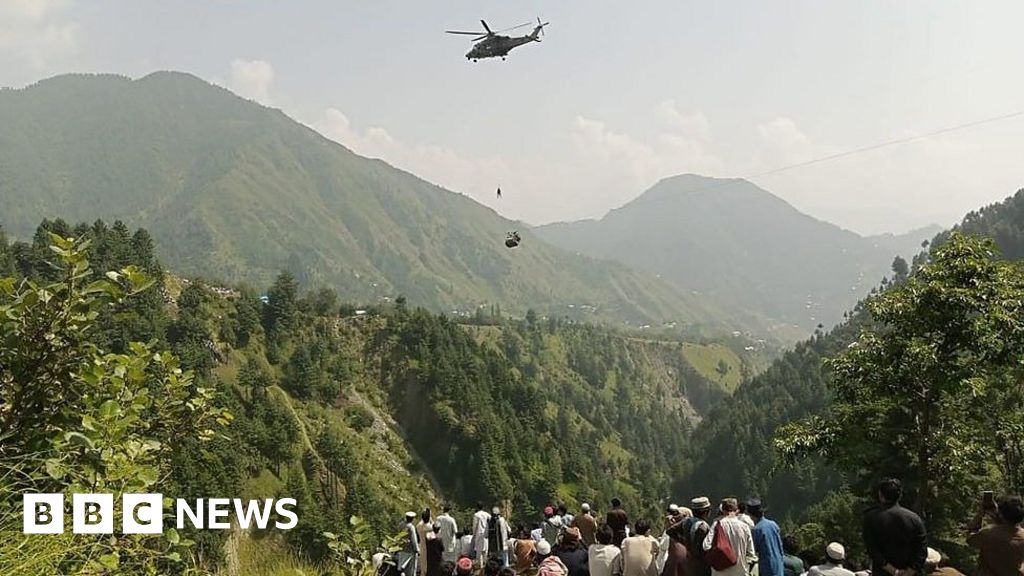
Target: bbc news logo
(144, 513)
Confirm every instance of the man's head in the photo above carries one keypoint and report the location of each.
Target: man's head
(562, 510)
(480, 506)
(1011, 509)
(585, 508)
(447, 568)
(933, 560)
(755, 508)
(425, 516)
(464, 566)
(701, 506)
(889, 491)
(616, 503)
(447, 508)
(543, 549)
(642, 527)
(410, 516)
(549, 511)
(835, 553)
(492, 567)
(605, 534)
(790, 545)
(496, 511)
(729, 506)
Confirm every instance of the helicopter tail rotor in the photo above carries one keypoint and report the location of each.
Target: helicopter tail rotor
(539, 30)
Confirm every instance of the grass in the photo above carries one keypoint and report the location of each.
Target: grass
(706, 360)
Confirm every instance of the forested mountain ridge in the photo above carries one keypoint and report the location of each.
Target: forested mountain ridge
(234, 191)
(794, 388)
(373, 412)
(738, 243)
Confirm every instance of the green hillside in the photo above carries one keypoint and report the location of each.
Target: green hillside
(732, 447)
(234, 191)
(737, 243)
(384, 410)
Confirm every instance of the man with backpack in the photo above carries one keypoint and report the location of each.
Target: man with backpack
(729, 546)
(697, 529)
(498, 533)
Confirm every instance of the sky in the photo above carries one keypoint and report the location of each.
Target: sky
(617, 95)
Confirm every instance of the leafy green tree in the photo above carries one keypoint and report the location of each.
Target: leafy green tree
(925, 390)
(282, 310)
(75, 419)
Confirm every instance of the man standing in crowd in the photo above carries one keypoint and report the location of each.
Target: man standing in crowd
(677, 561)
(411, 546)
(498, 536)
(618, 520)
(835, 554)
(563, 514)
(604, 557)
(422, 529)
(571, 552)
(640, 552)
(448, 530)
(738, 533)
(481, 520)
(894, 537)
(792, 564)
(767, 541)
(552, 527)
(586, 524)
(1000, 546)
(697, 529)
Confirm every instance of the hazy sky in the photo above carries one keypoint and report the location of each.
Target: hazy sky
(618, 95)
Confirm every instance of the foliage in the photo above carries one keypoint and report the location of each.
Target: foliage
(128, 410)
(924, 392)
(354, 549)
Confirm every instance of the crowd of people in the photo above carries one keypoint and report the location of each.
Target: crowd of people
(734, 539)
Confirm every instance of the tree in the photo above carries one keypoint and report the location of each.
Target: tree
(281, 311)
(924, 391)
(74, 419)
(900, 269)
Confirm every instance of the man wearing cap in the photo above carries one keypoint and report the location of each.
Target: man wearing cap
(498, 533)
(410, 548)
(767, 541)
(697, 529)
(464, 566)
(833, 566)
(738, 533)
(586, 524)
(894, 537)
(934, 565)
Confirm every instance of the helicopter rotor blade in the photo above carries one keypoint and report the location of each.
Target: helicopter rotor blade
(514, 28)
(462, 32)
(486, 27)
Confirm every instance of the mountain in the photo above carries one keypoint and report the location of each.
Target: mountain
(234, 191)
(731, 449)
(736, 242)
(909, 243)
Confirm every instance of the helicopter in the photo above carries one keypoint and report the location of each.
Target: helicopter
(491, 44)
